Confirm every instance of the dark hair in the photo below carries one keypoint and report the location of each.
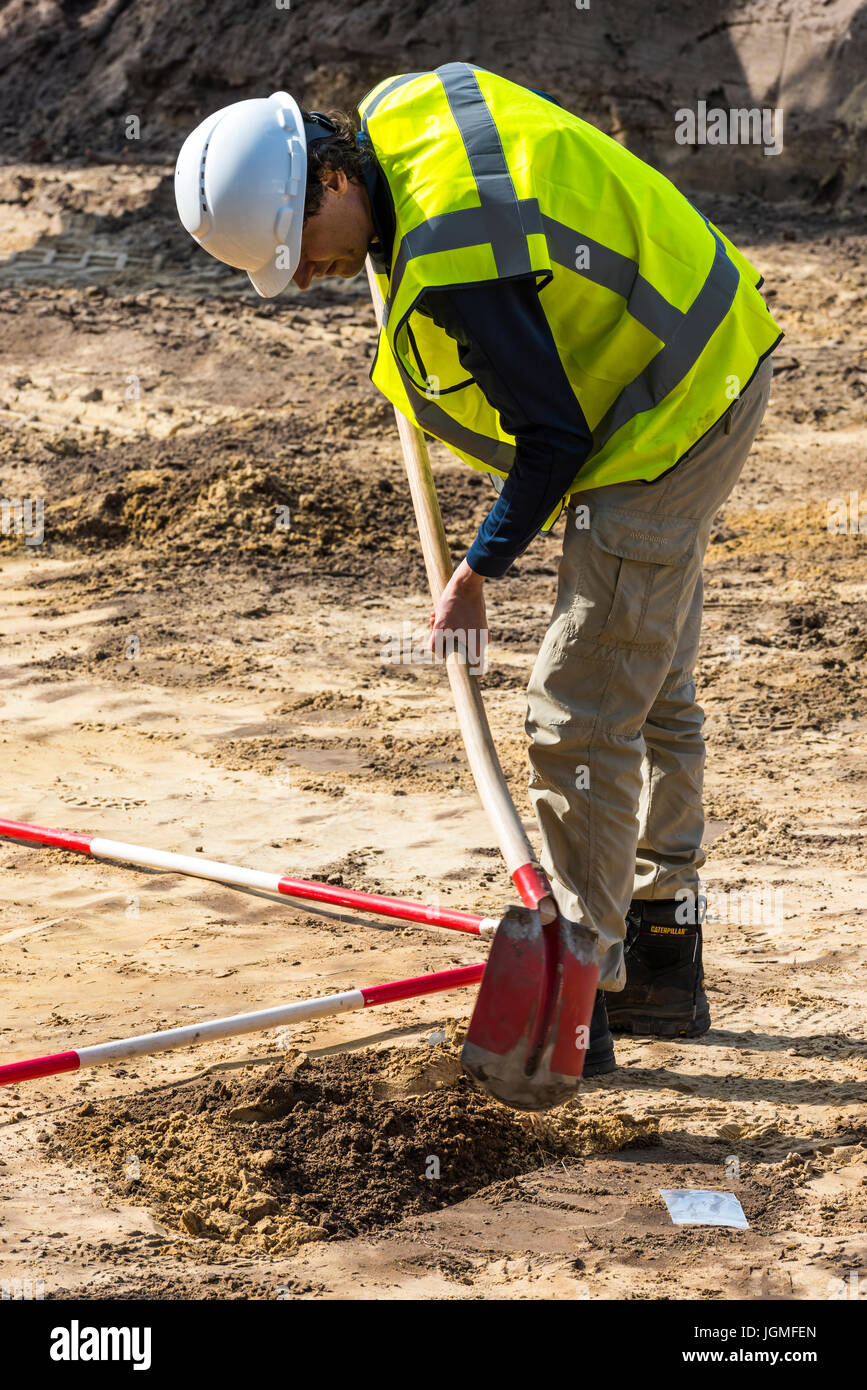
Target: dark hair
(338, 151)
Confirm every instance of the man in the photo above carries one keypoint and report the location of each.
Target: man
(562, 318)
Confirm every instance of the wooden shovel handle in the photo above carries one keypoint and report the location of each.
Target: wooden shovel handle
(528, 877)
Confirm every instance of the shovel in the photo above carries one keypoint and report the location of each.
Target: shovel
(530, 1027)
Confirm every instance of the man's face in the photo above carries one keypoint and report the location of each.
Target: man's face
(335, 241)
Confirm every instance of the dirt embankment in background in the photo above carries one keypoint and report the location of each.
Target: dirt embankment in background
(71, 74)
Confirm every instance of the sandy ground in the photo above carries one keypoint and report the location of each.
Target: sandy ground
(192, 659)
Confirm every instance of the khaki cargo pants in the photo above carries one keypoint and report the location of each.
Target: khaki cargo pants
(617, 754)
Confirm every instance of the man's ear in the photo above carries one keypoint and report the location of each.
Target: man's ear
(334, 180)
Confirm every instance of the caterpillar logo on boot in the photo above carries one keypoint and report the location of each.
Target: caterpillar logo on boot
(658, 930)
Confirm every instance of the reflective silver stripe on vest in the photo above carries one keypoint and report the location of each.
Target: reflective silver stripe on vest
(615, 272)
(387, 90)
(488, 163)
(671, 364)
(454, 231)
(684, 335)
(495, 452)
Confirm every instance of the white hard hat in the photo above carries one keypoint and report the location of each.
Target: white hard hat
(240, 181)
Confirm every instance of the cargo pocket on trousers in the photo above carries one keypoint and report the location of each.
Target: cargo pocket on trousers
(651, 555)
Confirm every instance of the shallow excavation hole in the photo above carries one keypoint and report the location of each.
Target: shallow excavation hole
(324, 1148)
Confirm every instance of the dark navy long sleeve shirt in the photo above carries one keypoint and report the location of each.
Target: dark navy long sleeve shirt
(506, 346)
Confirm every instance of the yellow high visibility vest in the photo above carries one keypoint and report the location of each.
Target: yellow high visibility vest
(656, 316)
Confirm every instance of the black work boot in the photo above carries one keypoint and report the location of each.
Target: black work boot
(664, 995)
(599, 1059)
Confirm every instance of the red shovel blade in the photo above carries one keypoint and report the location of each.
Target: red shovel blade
(530, 1027)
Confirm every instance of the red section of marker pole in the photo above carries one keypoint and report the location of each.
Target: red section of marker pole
(51, 1065)
(411, 989)
(38, 835)
(532, 884)
(400, 908)
(375, 902)
(147, 1043)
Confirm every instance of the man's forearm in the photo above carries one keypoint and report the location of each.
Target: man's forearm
(529, 496)
(468, 579)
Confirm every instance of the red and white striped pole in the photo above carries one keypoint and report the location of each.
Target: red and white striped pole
(146, 1043)
(238, 877)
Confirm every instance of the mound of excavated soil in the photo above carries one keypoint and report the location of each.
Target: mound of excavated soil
(327, 1148)
(315, 473)
(263, 490)
(235, 494)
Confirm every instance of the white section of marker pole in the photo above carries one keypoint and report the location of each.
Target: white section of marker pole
(194, 865)
(220, 1028)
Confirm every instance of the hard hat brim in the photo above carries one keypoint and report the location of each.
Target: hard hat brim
(268, 280)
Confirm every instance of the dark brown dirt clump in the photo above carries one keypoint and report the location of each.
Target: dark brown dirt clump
(326, 1148)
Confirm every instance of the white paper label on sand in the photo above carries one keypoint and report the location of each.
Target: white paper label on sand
(689, 1206)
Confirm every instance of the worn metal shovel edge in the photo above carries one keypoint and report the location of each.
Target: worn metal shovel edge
(529, 1032)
